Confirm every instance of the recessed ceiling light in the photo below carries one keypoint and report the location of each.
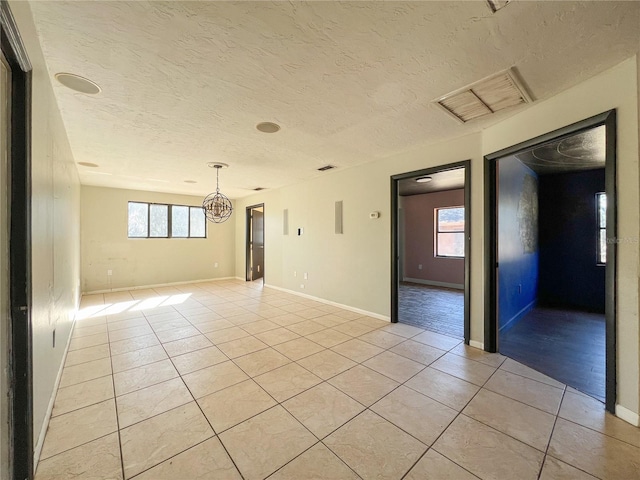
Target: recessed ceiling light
(423, 179)
(78, 83)
(190, 181)
(88, 164)
(268, 127)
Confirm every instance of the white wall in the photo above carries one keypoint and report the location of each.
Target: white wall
(55, 228)
(146, 261)
(354, 268)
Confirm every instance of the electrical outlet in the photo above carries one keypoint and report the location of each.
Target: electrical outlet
(420, 266)
(215, 265)
(302, 286)
(109, 273)
(519, 288)
(306, 276)
(295, 274)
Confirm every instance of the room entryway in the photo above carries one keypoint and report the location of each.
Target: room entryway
(255, 243)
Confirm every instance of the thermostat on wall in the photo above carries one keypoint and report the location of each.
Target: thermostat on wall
(374, 215)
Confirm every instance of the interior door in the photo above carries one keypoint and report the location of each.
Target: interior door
(257, 244)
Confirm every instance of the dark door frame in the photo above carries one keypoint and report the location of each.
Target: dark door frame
(20, 366)
(395, 229)
(248, 241)
(608, 119)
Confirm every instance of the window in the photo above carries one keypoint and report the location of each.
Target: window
(154, 220)
(601, 213)
(449, 232)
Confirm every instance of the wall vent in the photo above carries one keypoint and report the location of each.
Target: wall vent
(325, 168)
(485, 97)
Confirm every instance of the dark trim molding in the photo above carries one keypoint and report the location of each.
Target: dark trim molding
(491, 340)
(395, 252)
(247, 258)
(21, 397)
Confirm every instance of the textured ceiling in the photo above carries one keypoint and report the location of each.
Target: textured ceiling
(185, 83)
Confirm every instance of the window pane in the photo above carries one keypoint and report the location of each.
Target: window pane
(138, 218)
(602, 210)
(450, 245)
(602, 246)
(158, 220)
(179, 221)
(451, 219)
(197, 222)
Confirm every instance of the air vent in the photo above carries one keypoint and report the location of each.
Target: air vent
(485, 97)
(496, 5)
(325, 168)
(257, 189)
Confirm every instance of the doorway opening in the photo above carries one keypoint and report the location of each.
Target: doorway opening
(255, 243)
(430, 247)
(550, 224)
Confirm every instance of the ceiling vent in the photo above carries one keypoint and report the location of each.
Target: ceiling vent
(257, 189)
(325, 168)
(485, 97)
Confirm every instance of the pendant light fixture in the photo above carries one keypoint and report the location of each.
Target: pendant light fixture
(216, 206)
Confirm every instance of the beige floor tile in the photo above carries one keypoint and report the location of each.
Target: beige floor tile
(444, 388)
(382, 339)
(82, 395)
(260, 326)
(148, 402)
(276, 336)
(170, 325)
(226, 335)
(357, 350)
(90, 322)
(354, 329)
(235, 404)
(87, 355)
(433, 466)
(310, 313)
(177, 334)
(213, 325)
(85, 371)
(363, 384)
(211, 379)
(394, 366)
(99, 459)
(307, 327)
(331, 320)
(520, 421)
(437, 340)
(326, 364)
(539, 395)
(298, 348)
(329, 337)
(402, 329)
(418, 352)
(192, 361)
(317, 463)
(375, 448)
(127, 333)
(262, 361)
(133, 344)
(152, 441)
(374, 322)
(186, 345)
(590, 413)
(144, 376)
(602, 456)
(242, 346)
(514, 367)
(287, 381)
(79, 427)
(205, 461)
(322, 409)
(88, 341)
(472, 353)
(554, 469)
(348, 314)
(488, 453)
(79, 331)
(287, 319)
(244, 318)
(137, 358)
(461, 367)
(128, 323)
(415, 413)
(266, 442)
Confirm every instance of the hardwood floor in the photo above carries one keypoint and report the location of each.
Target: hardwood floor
(566, 345)
(437, 309)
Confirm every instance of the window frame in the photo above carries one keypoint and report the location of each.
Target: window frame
(436, 231)
(169, 221)
(599, 221)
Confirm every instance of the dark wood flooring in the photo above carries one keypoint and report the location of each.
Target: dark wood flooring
(437, 309)
(566, 345)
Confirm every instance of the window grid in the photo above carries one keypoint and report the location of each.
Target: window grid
(453, 231)
(168, 228)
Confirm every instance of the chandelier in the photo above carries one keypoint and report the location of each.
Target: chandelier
(216, 206)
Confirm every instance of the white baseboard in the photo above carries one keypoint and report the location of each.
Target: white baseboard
(433, 283)
(329, 302)
(476, 344)
(628, 416)
(158, 285)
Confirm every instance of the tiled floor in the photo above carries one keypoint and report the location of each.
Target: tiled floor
(437, 309)
(225, 380)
